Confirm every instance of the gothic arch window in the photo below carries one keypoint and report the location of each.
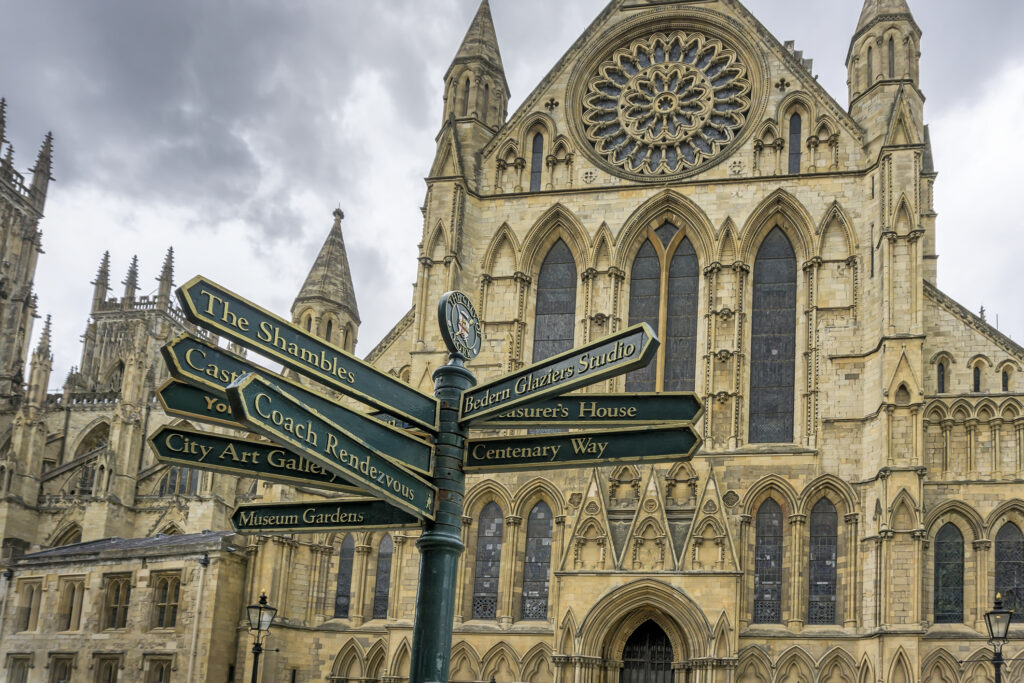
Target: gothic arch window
(180, 481)
(308, 322)
(97, 439)
(536, 162)
(465, 97)
(343, 592)
(824, 541)
(555, 320)
(892, 58)
(71, 535)
(1006, 380)
(382, 588)
(329, 330)
(663, 292)
(871, 66)
(1010, 565)
(794, 144)
(537, 562)
(940, 377)
(977, 379)
(488, 562)
(487, 102)
(949, 575)
(165, 601)
(70, 608)
(117, 595)
(768, 564)
(773, 341)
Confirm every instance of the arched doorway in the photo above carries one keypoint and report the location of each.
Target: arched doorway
(647, 656)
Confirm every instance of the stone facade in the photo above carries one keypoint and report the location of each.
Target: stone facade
(857, 501)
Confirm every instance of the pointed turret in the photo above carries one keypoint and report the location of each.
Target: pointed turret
(166, 280)
(475, 84)
(131, 280)
(42, 364)
(3, 121)
(326, 304)
(101, 285)
(41, 172)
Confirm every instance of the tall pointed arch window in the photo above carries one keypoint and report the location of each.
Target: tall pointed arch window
(329, 330)
(663, 292)
(382, 589)
(824, 537)
(949, 575)
(977, 379)
(940, 377)
(773, 341)
(871, 67)
(555, 321)
(795, 122)
(768, 564)
(487, 102)
(343, 592)
(488, 562)
(536, 162)
(1010, 566)
(892, 58)
(537, 563)
(465, 97)
(1006, 380)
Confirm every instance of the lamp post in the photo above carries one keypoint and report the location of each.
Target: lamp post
(998, 622)
(261, 616)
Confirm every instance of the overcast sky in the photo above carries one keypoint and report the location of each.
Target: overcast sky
(231, 130)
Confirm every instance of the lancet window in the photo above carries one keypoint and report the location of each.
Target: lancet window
(382, 589)
(537, 562)
(768, 564)
(1010, 565)
(824, 528)
(794, 144)
(555, 321)
(949, 575)
(343, 592)
(488, 562)
(536, 162)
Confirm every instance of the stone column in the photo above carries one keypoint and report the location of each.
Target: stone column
(972, 436)
(797, 523)
(885, 537)
(555, 582)
(981, 603)
(947, 428)
(357, 604)
(460, 586)
(1018, 425)
(395, 581)
(743, 619)
(996, 425)
(506, 608)
(852, 574)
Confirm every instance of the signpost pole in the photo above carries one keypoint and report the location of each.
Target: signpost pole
(440, 544)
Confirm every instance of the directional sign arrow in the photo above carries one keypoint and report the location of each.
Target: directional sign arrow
(279, 415)
(600, 410)
(198, 363)
(631, 348)
(193, 403)
(242, 457)
(224, 312)
(317, 516)
(583, 449)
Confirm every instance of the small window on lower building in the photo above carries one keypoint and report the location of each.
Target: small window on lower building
(166, 590)
(28, 606)
(17, 668)
(107, 668)
(61, 667)
(70, 616)
(158, 670)
(115, 602)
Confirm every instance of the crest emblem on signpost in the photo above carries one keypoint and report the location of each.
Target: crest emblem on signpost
(460, 327)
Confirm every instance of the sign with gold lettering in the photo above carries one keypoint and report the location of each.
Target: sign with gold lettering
(223, 312)
(241, 457)
(601, 410)
(193, 403)
(315, 516)
(631, 348)
(194, 361)
(277, 414)
(582, 449)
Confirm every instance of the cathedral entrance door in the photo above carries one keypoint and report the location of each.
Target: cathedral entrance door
(647, 656)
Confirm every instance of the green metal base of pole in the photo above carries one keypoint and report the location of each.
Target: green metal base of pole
(440, 545)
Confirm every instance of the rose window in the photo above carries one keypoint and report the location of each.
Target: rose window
(666, 104)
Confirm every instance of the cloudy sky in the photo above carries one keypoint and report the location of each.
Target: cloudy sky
(231, 130)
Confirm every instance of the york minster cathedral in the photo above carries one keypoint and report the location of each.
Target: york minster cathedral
(856, 505)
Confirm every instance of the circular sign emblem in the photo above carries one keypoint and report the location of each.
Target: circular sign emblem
(460, 328)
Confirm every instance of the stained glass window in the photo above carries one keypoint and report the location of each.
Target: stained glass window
(487, 102)
(768, 564)
(181, 481)
(949, 575)
(773, 341)
(892, 58)
(536, 162)
(1010, 566)
(977, 379)
(383, 585)
(465, 97)
(940, 372)
(537, 562)
(681, 322)
(555, 321)
(1006, 380)
(821, 599)
(794, 144)
(343, 593)
(644, 306)
(488, 562)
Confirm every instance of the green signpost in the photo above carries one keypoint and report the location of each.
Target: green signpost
(224, 312)
(318, 442)
(198, 363)
(270, 410)
(631, 348)
(601, 410)
(319, 516)
(581, 449)
(243, 458)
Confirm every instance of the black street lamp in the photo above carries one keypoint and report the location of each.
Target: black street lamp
(261, 616)
(998, 622)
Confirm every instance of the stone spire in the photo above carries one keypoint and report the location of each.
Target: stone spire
(131, 280)
(879, 10)
(328, 289)
(166, 279)
(101, 285)
(475, 83)
(42, 364)
(44, 339)
(3, 121)
(41, 172)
